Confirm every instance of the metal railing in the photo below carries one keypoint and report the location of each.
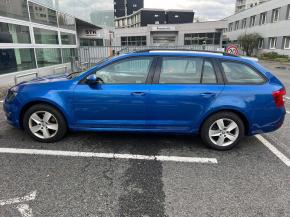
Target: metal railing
(92, 55)
(24, 75)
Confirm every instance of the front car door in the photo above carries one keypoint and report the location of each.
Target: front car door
(119, 102)
(183, 90)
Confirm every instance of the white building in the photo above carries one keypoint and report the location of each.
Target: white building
(271, 20)
(242, 5)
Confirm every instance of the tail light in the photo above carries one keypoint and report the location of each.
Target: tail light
(279, 97)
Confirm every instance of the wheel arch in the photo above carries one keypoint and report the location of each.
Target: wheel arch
(235, 111)
(37, 102)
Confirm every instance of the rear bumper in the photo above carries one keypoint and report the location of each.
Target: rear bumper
(273, 125)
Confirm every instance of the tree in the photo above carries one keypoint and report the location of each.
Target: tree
(249, 42)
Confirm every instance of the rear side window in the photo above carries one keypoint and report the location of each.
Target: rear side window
(241, 73)
(187, 71)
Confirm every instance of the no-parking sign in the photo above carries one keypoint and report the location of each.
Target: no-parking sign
(232, 49)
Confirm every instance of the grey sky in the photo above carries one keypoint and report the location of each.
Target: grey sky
(206, 9)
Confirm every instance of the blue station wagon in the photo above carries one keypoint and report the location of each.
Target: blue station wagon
(218, 96)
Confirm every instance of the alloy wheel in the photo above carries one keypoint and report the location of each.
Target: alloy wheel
(43, 124)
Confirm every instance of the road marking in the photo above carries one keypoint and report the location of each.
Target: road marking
(273, 149)
(1, 101)
(26, 198)
(287, 97)
(108, 155)
(287, 112)
(25, 210)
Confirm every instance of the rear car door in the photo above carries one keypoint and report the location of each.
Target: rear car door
(120, 102)
(182, 91)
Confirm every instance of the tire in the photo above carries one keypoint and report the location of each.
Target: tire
(216, 135)
(44, 123)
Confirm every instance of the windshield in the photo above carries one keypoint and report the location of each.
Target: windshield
(80, 72)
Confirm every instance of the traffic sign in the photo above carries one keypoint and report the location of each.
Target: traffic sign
(232, 49)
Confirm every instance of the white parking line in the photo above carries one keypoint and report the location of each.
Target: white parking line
(108, 155)
(273, 149)
(26, 198)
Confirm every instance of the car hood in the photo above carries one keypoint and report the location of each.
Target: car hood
(46, 79)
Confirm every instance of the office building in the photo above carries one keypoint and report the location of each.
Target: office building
(124, 8)
(271, 20)
(36, 38)
(145, 17)
(242, 5)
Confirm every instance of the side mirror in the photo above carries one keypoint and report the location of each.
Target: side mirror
(93, 80)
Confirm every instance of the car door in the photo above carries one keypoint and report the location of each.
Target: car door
(120, 101)
(183, 90)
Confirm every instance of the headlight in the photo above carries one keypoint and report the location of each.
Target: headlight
(12, 93)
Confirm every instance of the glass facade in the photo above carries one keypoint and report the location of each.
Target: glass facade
(11, 33)
(68, 54)
(65, 21)
(44, 36)
(91, 42)
(14, 60)
(213, 38)
(68, 39)
(14, 9)
(42, 15)
(133, 41)
(48, 56)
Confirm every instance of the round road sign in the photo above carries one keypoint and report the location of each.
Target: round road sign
(232, 49)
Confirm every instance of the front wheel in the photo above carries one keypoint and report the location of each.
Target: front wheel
(44, 123)
(222, 131)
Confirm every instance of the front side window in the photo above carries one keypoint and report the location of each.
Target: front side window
(129, 71)
(240, 73)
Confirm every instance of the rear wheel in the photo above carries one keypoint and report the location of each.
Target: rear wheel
(44, 123)
(222, 131)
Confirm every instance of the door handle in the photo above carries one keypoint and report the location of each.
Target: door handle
(138, 94)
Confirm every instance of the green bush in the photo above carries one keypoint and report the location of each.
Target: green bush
(273, 56)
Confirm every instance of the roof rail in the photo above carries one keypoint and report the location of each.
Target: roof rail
(188, 50)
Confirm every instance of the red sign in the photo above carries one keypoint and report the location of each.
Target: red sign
(232, 49)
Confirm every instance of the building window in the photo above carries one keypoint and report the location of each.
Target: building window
(65, 21)
(230, 27)
(156, 15)
(244, 23)
(44, 36)
(287, 42)
(211, 38)
(263, 18)
(68, 54)
(86, 42)
(11, 33)
(252, 21)
(133, 41)
(14, 9)
(237, 23)
(14, 60)
(48, 56)
(260, 43)
(272, 43)
(176, 16)
(275, 15)
(288, 13)
(44, 16)
(68, 39)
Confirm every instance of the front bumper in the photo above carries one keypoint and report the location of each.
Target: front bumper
(12, 112)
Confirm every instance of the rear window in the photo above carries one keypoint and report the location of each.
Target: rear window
(241, 73)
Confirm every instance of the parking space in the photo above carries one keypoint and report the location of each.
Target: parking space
(146, 175)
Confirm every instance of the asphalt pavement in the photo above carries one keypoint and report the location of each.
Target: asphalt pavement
(146, 175)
